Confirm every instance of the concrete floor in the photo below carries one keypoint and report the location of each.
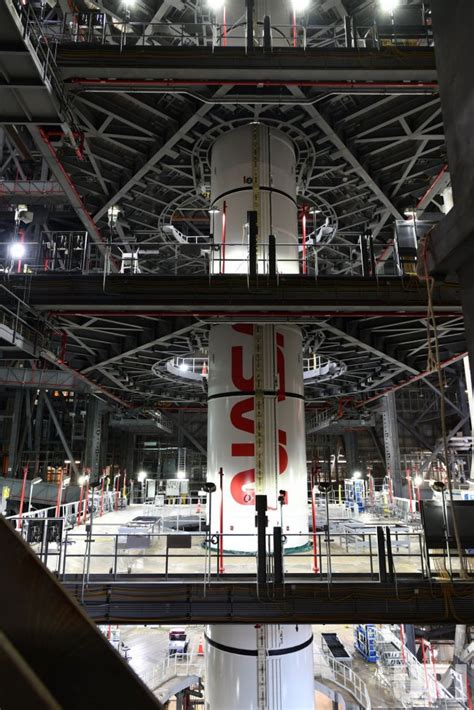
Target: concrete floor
(345, 557)
(148, 648)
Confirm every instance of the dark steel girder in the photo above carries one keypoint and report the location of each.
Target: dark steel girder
(346, 601)
(293, 296)
(234, 65)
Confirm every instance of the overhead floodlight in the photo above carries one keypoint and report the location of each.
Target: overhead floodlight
(181, 474)
(17, 250)
(184, 366)
(418, 481)
(141, 476)
(129, 3)
(216, 5)
(83, 479)
(356, 474)
(35, 481)
(300, 5)
(389, 5)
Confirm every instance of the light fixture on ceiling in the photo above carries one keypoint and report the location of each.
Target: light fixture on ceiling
(389, 5)
(215, 5)
(300, 5)
(17, 250)
(184, 366)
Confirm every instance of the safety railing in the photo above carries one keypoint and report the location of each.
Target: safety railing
(39, 44)
(74, 252)
(341, 674)
(98, 28)
(413, 683)
(140, 547)
(180, 664)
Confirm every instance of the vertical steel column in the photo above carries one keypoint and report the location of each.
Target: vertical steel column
(253, 247)
(93, 438)
(470, 399)
(277, 556)
(38, 432)
(56, 423)
(391, 441)
(250, 20)
(14, 433)
(261, 522)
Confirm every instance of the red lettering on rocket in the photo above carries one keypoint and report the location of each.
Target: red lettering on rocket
(242, 485)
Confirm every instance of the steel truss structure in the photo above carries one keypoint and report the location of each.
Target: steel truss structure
(120, 166)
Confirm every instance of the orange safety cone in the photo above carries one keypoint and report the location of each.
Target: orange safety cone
(200, 647)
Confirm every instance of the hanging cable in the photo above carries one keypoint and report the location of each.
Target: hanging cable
(435, 364)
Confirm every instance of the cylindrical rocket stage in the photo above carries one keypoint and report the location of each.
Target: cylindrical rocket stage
(233, 432)
(233, 672)
(253, 168)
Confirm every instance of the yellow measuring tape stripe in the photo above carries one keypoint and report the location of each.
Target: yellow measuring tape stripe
(258, 332)
(256, 174)
(259, 411)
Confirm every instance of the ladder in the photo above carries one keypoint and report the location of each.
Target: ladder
(182, 458)
(262, 703)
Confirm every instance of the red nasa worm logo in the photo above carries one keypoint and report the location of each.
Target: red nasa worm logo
(241, 486)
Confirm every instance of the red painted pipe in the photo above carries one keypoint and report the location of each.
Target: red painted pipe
(221, 522)
(303, 232)
(255, 314)
(313, 520)
(433, 85)
(224, 233)
(45, 137)
(22, 495)
(415, 378)
(79, 507)
(102, 493)
(430, 188)
(60, 493)
(78, 375)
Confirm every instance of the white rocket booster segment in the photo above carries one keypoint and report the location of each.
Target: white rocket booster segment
(232, 431)
(253, 168)
(231, 652)
(256, 427)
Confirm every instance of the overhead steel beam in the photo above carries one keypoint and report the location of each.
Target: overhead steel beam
(346, 153)
(13, 191)
(421, 440)
(40, 379)
(159, 154)
(61, 435)
(391, 442)
(140, 348)
(186, 433)
(439, 448)
(369, 348)
(163, 295)
(49, 154)
(57, 641)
